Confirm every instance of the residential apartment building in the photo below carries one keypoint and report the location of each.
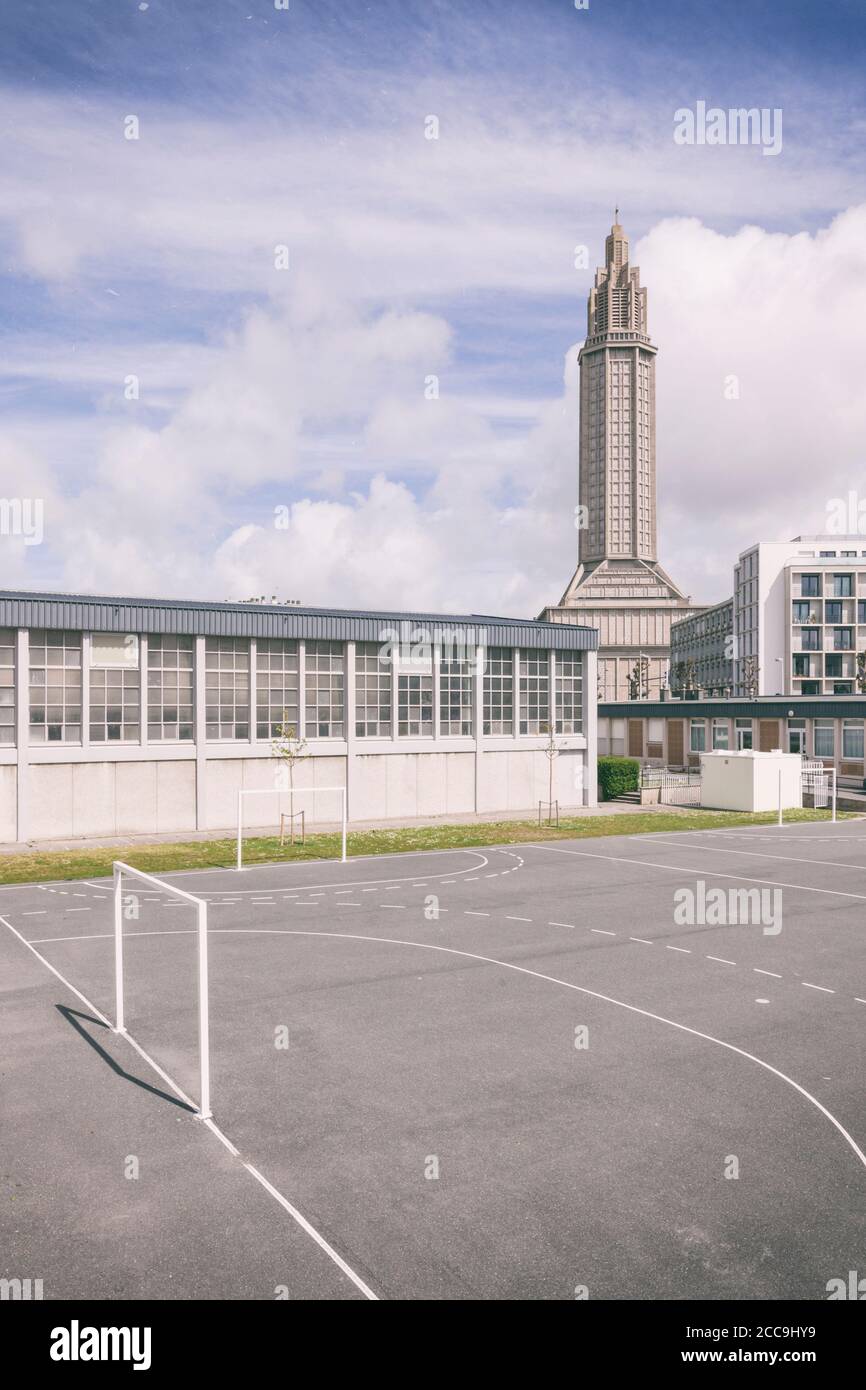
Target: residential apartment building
(799, 622)
(127, 715)
(702, 651)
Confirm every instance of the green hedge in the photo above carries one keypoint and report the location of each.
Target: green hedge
(617, 775)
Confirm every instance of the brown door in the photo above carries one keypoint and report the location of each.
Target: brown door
(768, 735)
(635, 738)
(675, 743)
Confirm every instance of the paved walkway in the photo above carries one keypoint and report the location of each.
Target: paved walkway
(608, 808)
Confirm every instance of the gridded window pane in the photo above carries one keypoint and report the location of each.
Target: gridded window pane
(852, 738)
(7, 685)
(534, 693)
(825, 738)
(227, 687)
(55, 686)
(324, 689)
(569, 692)
(277, 705)
(455, 697)
(169, 688)
(372, 692)
(115, 702)
(499, 691)
(415, 706)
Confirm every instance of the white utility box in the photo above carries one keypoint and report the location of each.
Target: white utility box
(751, 781)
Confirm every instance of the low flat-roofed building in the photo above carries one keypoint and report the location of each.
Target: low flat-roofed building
(673, 733)
(123, 716)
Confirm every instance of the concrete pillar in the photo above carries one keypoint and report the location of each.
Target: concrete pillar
(143, 690)
(200, 735)
(22, 730)
(253, 676)
(349, 723)
(85, 689)
(590, 727)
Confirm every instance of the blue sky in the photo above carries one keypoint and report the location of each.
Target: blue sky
(412, 258)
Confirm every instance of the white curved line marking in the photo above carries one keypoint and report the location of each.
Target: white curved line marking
(580, 989)
(309, 887)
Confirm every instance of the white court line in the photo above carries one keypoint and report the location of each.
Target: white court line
(823, 988)
(756, 854)
(599, 930)
(304, 887)
(518, 919)
(486, 960)
(642, 939)
(684, 949)
(758, 971)
(721, 960)
(691, 871)
(278, 1196)
(580, 989)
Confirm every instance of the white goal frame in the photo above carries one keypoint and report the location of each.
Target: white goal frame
(286, 791)
(122, 871)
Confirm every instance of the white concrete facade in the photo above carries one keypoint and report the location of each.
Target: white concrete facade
(138, 785)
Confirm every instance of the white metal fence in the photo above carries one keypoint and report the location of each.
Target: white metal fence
(674, 788)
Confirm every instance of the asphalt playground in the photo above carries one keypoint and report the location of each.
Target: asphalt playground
(502, 1073)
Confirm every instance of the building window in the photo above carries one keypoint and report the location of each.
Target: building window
(277, 708)
(797, 736)
(372, 691)
(455, 697)
(801, 611)
(825, 738)
(7, 686)
(227, 687)
(115, 705)
(832, 611)
(115, 688)
(810, 688)
(169, 688)
(843, 687)
(842, 586)
(810, 585)
(569, 692)
(324, 683)
(810, 639)
(534, 693)
(55, 687)
(843, 639)
(698, 735)
(415, 706)
(744, 734)
(801, 665)
(852, 739)
(720, 734)
(499, 691)
(832, 665)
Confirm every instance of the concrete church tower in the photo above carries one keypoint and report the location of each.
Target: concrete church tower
(619, 586)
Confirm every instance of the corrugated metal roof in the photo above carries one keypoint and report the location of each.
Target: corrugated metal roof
(765, 706)
(92, 613)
